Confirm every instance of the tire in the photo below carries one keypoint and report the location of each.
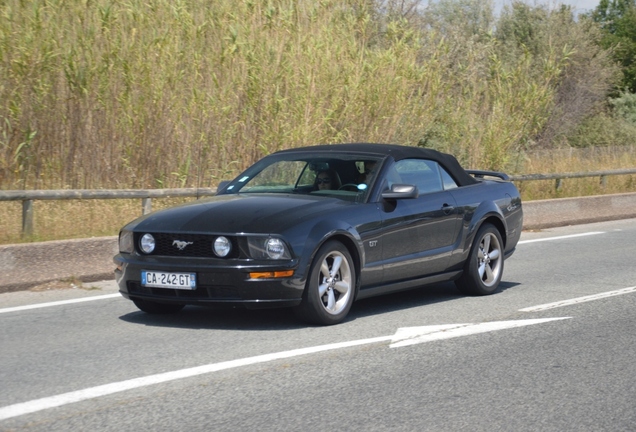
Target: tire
(157, 308)
(484, 268)
(330, 287)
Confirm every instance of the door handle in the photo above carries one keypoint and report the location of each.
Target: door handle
(447, 209)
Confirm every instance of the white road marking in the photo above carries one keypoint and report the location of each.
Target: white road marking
(107, 389)
(403, 337)
(561, 237)
(458, 330)
(59, 303)
(577, 300)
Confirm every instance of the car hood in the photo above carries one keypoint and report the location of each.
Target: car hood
(257, 213)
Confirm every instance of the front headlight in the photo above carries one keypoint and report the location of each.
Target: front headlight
(268, 248)
(222, 246)
(126, 242)
(275, 248)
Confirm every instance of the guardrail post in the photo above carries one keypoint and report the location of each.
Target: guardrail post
(603, 181)
(146, 205)
(27, 218)
(558, 184)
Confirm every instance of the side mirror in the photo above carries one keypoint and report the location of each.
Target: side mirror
(401, 191)
(222, 185)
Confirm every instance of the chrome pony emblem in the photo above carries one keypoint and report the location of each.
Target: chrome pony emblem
(180, 244)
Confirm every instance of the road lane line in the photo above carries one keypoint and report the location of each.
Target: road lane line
(59, 303)
(108, 389)
(561, 237)
(577, 300)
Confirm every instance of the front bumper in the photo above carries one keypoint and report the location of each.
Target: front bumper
(219, 282)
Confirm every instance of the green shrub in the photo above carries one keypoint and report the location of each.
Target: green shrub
(625, 107)
(603, 130)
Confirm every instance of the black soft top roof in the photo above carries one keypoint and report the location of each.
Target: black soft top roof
(398, 152)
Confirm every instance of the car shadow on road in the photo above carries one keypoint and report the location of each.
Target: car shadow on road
(222, 318)
(428, 295)
(198, 317)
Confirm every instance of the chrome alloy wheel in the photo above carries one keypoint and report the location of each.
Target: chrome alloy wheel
(336, 282)
(489, 259)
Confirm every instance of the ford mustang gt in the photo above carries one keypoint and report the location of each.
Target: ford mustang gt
(317, 228)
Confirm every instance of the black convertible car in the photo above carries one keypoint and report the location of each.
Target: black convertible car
(316, 228)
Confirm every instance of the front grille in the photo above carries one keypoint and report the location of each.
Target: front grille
(196, 245)
(202, 292)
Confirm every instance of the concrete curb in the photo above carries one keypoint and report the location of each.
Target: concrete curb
(23, 266)
(572, 211)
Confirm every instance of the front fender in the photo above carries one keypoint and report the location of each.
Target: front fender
(324, 231)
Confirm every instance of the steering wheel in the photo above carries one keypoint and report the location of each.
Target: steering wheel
(349, 187)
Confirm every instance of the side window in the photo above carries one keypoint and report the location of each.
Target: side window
(424, 174)
(449, 183)
(307, 178)
(392, 176)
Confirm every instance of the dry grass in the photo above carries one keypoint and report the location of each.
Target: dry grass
(169, 93)
(57, 220)
(578, 160)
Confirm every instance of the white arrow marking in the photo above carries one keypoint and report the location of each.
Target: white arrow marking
(403, 337)
(417, 335)
(579, 300)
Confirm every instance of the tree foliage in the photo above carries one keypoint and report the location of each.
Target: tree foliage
(583, 71)
(618, 22)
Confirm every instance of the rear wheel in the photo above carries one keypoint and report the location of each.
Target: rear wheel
(484, 268)
(330, 287)
(157, 308)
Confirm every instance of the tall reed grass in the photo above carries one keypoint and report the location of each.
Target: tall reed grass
(176, 93)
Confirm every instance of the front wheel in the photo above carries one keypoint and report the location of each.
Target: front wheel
(484, 268)
(330, 287)
(155, 308)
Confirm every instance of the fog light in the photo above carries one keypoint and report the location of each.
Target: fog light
(222, 246)
(147, 243)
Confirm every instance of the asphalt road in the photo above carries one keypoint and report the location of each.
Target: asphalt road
(503, 362)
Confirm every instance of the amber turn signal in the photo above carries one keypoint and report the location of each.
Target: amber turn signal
(271, 275)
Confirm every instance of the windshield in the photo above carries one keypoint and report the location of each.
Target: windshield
(345, 176)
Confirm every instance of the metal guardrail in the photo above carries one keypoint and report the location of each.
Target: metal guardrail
(28, 196)
(559, 177)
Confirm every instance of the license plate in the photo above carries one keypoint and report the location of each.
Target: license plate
(185, 281)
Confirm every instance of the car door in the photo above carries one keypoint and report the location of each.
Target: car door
(418, 234)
